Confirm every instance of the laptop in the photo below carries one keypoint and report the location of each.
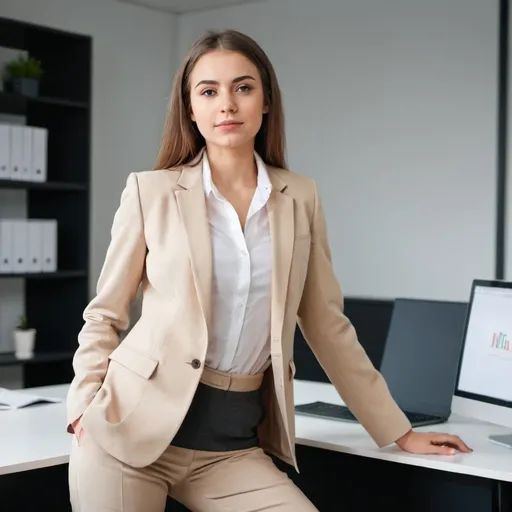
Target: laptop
(419, 362)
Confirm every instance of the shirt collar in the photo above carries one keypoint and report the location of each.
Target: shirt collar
(264, 184)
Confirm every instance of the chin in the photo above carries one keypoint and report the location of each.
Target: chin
(232, 141)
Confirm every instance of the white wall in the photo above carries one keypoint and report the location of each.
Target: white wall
(134, 56)
(391, 107)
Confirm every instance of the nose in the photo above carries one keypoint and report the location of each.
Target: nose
(229, 104)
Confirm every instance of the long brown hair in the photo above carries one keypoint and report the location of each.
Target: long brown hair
(182, 141)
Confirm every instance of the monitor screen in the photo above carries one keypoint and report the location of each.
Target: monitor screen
(486, 363)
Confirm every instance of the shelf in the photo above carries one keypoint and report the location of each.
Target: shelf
(45, 185)
(58, 102)
(53, 301)
(61, 274)
(42, 357)
(17, 104)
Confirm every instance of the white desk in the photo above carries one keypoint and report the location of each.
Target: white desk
(36, 437)
(488, 460)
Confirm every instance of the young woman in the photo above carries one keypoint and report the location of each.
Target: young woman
(228, 249)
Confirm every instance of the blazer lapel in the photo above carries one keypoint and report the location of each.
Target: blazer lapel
(282, 234)
(192, 207)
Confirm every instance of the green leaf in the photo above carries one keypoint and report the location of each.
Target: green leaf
(24, 67)
(23, 323)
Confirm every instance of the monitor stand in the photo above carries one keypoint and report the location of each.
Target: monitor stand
(502, 439)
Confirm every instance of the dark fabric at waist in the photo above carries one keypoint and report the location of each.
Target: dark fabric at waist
(220, 420)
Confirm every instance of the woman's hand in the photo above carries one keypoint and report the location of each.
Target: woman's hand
(432, 443)
(77, 428)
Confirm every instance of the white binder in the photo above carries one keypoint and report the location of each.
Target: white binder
(19, 245)
(35, 246)
(49, 237)
(6, 244)
(5, 151)
(26, 168)
(39, 153)
(16, 152)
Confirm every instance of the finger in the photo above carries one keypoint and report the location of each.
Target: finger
(441, 449)
(465, 447)
(454, 442)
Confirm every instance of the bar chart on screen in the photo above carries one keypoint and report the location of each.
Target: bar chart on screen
(501, 342)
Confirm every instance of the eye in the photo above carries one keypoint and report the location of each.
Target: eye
(244, 88)
(207, 92)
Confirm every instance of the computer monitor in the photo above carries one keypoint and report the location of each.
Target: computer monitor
(485, 367)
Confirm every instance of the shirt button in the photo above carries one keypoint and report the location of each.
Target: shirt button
(196, 364)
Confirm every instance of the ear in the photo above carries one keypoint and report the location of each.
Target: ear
(265, 109)
(192, 116)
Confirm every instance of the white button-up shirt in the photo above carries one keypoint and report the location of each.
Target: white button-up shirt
(239, 340)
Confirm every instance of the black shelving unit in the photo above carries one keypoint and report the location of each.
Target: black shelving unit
(47, 185)
(60, 274)
(55, 301)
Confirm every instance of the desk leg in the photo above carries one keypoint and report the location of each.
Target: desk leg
(500, 497)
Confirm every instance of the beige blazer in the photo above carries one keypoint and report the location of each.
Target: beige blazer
(133, 395)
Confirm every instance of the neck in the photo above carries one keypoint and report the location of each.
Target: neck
(233, 168)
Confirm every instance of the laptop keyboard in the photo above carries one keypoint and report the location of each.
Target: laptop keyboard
(342, 412)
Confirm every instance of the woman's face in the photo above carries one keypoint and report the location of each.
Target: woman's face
(227, 99)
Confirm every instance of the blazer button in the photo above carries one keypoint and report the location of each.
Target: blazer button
(196, 364)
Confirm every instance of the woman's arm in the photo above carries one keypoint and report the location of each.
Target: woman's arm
(108, 312)
(334, 342)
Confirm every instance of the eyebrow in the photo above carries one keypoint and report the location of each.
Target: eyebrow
(234, 81)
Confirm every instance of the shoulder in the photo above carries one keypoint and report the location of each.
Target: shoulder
(151, 187)
(153, 183)
(155, 178)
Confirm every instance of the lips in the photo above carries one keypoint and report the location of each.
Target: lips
(229, 123)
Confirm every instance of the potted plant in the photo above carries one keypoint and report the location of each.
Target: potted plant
(22, 76)
(24, 339)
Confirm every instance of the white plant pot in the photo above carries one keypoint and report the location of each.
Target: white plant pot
(24, 341)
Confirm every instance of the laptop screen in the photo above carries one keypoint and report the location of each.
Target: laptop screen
(422, 353)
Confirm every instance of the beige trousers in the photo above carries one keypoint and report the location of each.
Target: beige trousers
(236, 481)
(233, 481)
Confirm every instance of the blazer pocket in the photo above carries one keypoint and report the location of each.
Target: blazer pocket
(135, 361)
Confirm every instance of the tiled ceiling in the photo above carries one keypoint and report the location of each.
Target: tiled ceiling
(182, 6)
